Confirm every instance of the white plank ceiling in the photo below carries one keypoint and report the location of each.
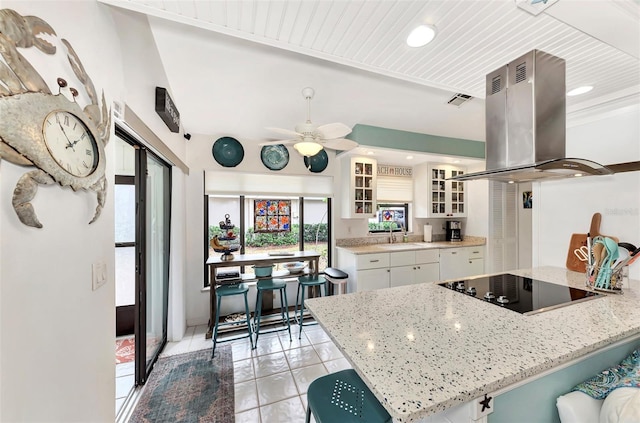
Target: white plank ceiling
(599, 39)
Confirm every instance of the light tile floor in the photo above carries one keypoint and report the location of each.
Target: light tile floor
(124, 382)
(271, 381)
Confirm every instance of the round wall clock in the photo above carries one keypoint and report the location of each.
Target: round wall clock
(62, 141)
(70, 143)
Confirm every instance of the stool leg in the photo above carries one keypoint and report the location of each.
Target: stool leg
(255, 309)
(284, 308)
(246, 308)
(295, 306)
(308, 418)
(257, 317)
(215, 328)
(301, 311)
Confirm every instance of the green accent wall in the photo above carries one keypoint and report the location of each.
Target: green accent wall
(374, 136)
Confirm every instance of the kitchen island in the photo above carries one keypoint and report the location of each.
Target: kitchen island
(423, 349)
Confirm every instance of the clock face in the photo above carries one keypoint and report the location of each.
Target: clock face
(70, 143)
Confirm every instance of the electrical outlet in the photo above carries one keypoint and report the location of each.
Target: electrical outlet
(482, 407)
(98, 274)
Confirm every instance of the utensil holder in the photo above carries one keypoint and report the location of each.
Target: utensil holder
(602, 278)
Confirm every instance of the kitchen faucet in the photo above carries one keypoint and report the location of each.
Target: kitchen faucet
(392, 237)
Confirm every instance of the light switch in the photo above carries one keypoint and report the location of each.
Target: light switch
(99, 274)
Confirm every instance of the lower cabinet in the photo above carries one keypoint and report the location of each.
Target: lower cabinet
(370, 279)
(383, 270)
(414, 267)
(460, 262)
(371, 271)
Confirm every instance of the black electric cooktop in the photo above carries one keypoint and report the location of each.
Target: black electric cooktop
(518, 293)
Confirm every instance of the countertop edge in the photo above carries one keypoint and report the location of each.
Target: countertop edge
(412, 246)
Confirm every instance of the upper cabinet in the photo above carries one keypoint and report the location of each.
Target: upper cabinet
(439, 197)
(359, 195)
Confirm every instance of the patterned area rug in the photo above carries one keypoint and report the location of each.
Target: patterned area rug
(189, 387)
(125, 350)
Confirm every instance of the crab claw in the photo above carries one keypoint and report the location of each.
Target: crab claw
(27, 31)
(100, 188)
(24, 192)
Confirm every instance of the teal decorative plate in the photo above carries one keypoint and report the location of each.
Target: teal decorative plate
(227, 151)
(317, 163)
(274, 157)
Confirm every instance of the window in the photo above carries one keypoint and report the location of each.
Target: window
(390, 216)
(302, 225)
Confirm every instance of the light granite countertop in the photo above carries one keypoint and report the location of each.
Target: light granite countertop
(409, 246)
(423, 348)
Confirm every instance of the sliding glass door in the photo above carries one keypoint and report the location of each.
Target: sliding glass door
(143, 198)
(152, 254)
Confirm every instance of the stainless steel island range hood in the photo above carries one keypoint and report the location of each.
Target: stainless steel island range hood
(526, 123)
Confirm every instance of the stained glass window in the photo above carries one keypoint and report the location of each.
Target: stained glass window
(272, 215)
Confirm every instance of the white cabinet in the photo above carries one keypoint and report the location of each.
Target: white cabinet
(359, 195)
(411, 267)
(434, 196)
(366, 271)
(456, 263)
(383, 270)
(427, 266)
(368, 280)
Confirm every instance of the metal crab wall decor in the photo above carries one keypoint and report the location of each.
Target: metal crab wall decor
(64, 142)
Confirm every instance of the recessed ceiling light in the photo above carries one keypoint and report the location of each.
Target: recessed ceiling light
(456, 161)
(580, 90)
(370, 152)
(421, 35)
(409, 157)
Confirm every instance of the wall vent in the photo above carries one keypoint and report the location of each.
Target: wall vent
(496, 83)
(459, 99)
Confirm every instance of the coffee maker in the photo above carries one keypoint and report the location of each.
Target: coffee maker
(454, 231)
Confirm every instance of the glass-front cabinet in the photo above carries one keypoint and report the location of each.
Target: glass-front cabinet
(440, 197)
(359, 196)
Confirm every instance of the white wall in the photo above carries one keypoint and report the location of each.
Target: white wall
(57, 345)
(564, 207)
(143, 72)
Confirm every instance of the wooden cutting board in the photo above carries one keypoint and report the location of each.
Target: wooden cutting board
(579, 240)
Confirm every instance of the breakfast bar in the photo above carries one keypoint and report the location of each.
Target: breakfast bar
(425, 349)
(216, 263)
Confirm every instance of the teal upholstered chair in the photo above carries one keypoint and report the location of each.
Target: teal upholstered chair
(343, 397)
(227, 291)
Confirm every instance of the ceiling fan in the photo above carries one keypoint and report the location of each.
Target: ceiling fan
(309, 139)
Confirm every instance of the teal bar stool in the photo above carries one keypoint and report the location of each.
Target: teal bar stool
(303, 283)
(227, 291)
(343, 397)
(271, 285)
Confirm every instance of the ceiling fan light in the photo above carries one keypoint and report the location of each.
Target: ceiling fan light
(308, 148)
(421, 36)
